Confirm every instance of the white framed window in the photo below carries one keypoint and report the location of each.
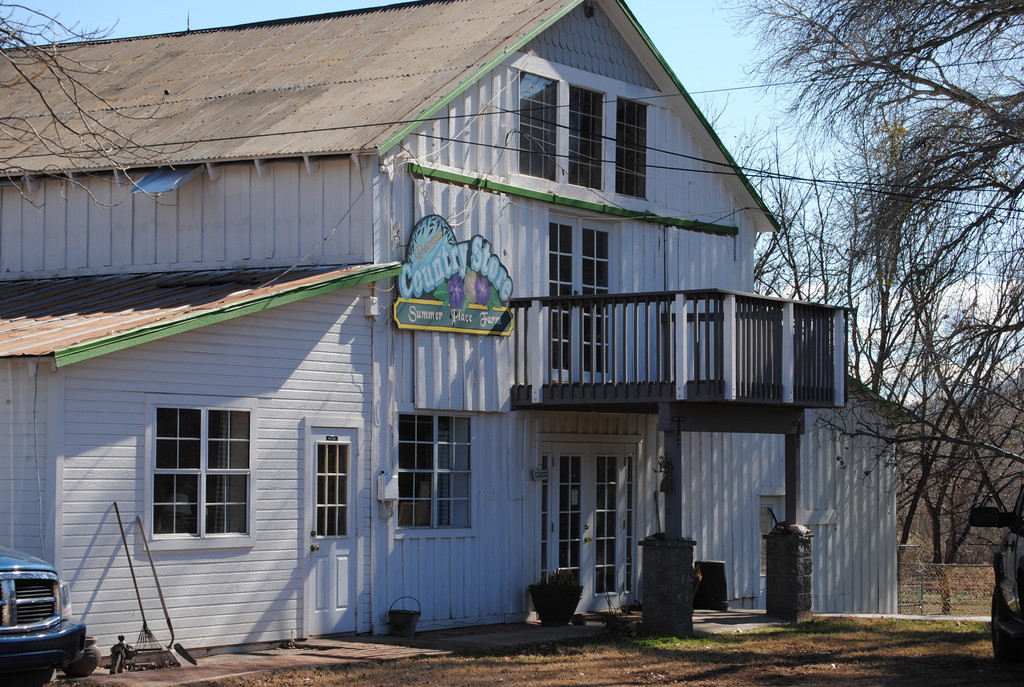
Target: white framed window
(538, 127)
(586, 137)
(562, 133)
(201, 471)
(433, 471)
(631, 148)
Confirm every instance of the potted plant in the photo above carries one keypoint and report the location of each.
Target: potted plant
(555, 597)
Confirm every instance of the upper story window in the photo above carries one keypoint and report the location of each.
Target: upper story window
(562, 134)
(631, 148)
(538, 115)
(201, 474)
(433, 471)
(586, 136)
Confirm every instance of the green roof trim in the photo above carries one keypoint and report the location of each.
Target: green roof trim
(392, 140)
(700, 115)
(124, 340)
(498, 187)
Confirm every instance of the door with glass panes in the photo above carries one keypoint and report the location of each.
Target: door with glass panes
(578, 265)
(587, 519)
(331, 547)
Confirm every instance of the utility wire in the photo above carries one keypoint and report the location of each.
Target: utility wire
(726, 168)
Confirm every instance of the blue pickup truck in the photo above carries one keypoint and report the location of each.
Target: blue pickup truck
(37, 632)
(1008, 561)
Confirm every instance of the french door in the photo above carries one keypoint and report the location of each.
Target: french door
(588, 520)
(578, 264)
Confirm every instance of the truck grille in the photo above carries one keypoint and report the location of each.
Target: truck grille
(28, 601)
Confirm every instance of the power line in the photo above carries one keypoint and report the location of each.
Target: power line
(797, 82)
(727, 168)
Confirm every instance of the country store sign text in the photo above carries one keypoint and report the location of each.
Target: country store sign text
(452, 286)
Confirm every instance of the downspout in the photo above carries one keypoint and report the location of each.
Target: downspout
(33, 373)
(10, 451)
(371, 312)
(376, 311)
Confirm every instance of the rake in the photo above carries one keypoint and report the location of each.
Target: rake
(147, 652)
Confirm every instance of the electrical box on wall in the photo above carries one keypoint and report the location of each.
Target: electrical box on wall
(371, 306)
(387, 487)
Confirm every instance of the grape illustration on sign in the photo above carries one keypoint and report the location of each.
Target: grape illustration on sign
(452, 286)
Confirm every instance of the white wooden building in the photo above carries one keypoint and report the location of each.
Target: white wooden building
(253, 331)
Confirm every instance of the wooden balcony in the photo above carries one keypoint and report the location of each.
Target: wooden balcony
(636, 351)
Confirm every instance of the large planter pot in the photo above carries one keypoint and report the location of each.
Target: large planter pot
(555, 605)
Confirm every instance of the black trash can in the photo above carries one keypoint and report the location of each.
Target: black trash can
(712, 593)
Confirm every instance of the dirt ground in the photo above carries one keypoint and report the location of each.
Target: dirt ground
(845, 652)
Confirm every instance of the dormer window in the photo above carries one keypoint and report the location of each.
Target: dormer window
(631, 148)
(586, 136)
(562, 134)
(538, 116)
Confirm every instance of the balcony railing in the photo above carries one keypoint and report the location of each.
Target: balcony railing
(678, 346)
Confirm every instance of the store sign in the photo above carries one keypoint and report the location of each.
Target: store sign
(452, 286)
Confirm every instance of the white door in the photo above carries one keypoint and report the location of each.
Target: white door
(589, 521)
(331, 565)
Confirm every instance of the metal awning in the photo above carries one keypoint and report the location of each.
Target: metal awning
(77, 318)
(165, 179)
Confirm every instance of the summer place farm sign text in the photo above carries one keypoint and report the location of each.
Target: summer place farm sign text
(452, 286)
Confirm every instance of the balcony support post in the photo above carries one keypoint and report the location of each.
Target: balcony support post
(682, 339)
(839, 364)
(539, 347)
(667, 586)
(788, 362)
(789, 567)
(729, 347)
(792, 478)
(672, 485)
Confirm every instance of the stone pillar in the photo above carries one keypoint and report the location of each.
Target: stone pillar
(788, 576)
(667, 586)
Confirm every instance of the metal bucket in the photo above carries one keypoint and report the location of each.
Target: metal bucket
(403, 622)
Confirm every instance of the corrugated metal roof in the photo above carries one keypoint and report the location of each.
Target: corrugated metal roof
(81, 317)
(327, 83)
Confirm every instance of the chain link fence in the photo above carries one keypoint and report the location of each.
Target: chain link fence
(933, 589)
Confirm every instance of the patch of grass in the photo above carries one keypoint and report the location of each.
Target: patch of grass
(850, 652)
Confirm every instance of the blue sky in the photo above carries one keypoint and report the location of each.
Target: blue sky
(695, 37)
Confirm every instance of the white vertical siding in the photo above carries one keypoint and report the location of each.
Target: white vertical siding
(851, 518)
(455, 371)
(469, 576)
(26, 459)
(852, 511)
(480, 574)
(684, 180)
(94, 225)
(298, 364)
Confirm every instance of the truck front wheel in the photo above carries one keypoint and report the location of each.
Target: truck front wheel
(1005, 648)
(87, 662)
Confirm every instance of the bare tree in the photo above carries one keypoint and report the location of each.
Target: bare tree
(918, 231)
(949, 389)
(53, 119)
